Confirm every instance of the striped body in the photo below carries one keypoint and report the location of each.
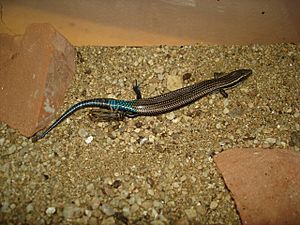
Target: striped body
(184, 96)
(159, 104)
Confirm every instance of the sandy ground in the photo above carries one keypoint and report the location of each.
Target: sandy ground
(151, 170)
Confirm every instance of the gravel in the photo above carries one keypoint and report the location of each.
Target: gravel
(151, 170)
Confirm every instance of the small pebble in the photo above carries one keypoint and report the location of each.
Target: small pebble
(70, 211)
(271, 140)
(116, 184)
(157, 204)
(89, 139)
(134, 208)
(126, 211)
(250, 105)
(143, 140)
(213, 205)
(226, 111)
(88, 213)
(225, 102)
(4, 207)
(95, 202)
(2, 140)
(136, 63)
(108, 221)
(150, 192)
(29, 208)
(201, 209)
(186, 76)
(50, 211)
(139, 124)
(171, 204)
(82, 132)
(77, 202)
(176, 185)
(90, 188)
(193, 179)
(191, 213)
(268, 130)
(150, 62)
(151, 138)
(154, 213)
(12, 149)
(161, 77)
(107, 210)
(147, 204)
(174, 82)
(295, 138)
(159, 70)
(170, 116)
(218, 126)
(93, 221)
(108, 181)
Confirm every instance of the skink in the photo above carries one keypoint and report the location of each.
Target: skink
(155, 105)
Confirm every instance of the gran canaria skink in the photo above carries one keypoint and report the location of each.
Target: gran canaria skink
(155, 105)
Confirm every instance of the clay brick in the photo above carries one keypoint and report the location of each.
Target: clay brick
(36, 69)
(265, 184)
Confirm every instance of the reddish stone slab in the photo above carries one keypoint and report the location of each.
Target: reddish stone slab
(36, 69)
(265, 184)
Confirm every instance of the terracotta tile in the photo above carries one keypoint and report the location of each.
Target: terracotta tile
(265, 184)
(35, 71)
